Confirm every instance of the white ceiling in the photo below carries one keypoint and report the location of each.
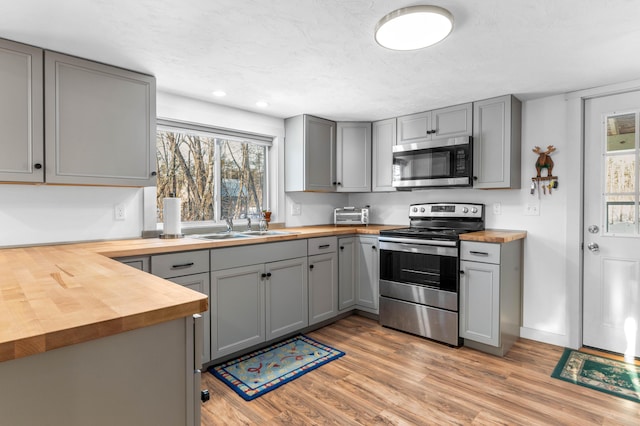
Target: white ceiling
(319, 56)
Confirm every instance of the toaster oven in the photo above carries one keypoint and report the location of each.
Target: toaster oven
(351, 216)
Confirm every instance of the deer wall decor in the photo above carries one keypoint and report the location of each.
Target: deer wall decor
(544, 160)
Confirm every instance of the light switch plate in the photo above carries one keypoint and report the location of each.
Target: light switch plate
(296, 209)
(497, 209)
(532, 209)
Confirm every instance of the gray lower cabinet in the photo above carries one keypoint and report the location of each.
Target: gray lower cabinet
(258, 293)
(100, 124)
(138, 262)
(21, 113)
(383, 138)
(358, 264)
(347, 269)
(368, 274)
(323, 279)
(189, 269)
(490, 295)
(497, 128)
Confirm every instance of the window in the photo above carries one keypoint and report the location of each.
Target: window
(216, 173)
(621, 157)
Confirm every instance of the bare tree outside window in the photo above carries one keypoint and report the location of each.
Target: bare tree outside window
(187, 166)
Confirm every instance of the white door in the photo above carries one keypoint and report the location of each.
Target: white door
(611, 308)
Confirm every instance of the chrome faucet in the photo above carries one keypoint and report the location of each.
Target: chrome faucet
(248, 223)
(229, 223)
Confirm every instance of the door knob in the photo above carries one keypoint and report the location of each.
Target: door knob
(593, 247)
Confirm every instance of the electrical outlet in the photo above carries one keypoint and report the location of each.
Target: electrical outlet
(532, 209)
(497, 209)
(120, 212)
(296, 209)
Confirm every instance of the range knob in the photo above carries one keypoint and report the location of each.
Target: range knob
(415, 209)
(465, 210)
(474, 210)
(422, 209)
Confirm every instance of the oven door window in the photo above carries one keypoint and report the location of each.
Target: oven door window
(440, 272)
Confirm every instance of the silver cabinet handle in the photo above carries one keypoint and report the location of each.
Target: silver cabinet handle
(324, 246)
(479, 253)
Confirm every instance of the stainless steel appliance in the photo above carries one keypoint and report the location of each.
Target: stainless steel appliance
(351, 216)
(444, 162)
(420, 269)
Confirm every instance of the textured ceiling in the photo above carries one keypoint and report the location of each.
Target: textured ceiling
(319, 57)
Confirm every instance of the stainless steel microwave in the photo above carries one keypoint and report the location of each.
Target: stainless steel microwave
(439, 163)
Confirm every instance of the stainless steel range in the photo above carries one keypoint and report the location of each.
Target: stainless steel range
(420, 269)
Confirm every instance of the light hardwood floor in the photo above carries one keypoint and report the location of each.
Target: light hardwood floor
(389, 377)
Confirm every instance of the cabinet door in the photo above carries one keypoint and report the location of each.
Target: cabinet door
(200, 283)
(480, 302)
(138, 262)
(383, 140)
(452, 122)
(99, 123)
(413, 128)
(21, 118)
(320, 154)
(353, 157)
(347, 269)
(286, 297)
(237, 309)
(368, 273)
(496, 143)
(323, 287)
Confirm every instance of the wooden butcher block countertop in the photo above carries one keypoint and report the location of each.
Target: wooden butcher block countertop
(494, 236)
(55, 296)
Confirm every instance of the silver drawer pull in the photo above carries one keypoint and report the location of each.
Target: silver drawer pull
(479, 253)
(182, 266)
(323, 246)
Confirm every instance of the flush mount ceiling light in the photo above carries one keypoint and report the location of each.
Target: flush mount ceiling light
(414, 27)
(219, 93)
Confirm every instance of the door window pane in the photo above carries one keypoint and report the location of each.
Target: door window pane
(621, 132)
(621, 216)
(620, 173)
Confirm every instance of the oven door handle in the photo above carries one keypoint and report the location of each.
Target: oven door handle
(437, 250)
(419, 243)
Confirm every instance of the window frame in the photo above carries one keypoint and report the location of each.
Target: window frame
(164, 124)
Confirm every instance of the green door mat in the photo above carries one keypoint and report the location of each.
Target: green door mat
(603, 374)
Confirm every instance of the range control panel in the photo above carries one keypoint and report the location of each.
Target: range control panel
(446, 210)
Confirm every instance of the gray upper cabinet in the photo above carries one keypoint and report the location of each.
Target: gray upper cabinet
(21, 117)
(353, 157)
(310, 154)
(440, 123)
(383, 140)
(99, 123)
(496, 143)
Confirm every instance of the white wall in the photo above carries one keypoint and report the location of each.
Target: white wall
(39, 214)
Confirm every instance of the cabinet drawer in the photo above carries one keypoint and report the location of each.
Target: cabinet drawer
(178, 264)
(480, 252)
(322, 245)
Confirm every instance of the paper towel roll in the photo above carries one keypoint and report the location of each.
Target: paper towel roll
(171, 214)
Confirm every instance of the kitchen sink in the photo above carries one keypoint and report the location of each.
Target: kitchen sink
(220, 236)
(260, 233)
